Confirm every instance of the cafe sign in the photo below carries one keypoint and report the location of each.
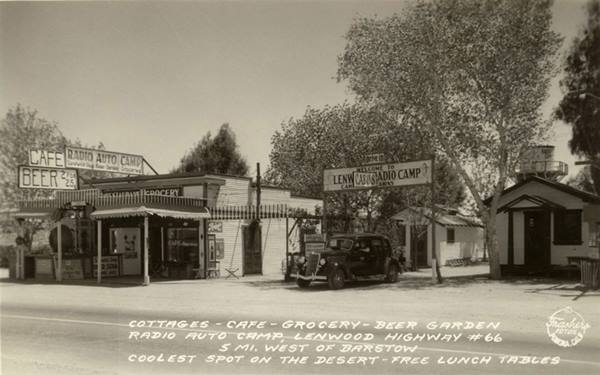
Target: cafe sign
(101, 160)
(378, 176)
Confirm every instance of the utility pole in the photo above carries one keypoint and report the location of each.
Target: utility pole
(258, 191)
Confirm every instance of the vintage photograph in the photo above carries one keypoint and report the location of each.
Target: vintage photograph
(300, 187)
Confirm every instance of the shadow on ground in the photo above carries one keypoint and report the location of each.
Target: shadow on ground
(563, 287)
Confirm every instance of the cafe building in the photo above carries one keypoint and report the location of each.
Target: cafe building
(171, 226)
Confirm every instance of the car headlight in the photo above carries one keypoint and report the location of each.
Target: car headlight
(323, 261)
(301, 260)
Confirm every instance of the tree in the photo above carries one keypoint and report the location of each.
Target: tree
(580, 105)
(215, 155)
(21, 130)
(341, 136)
(470, 75)
(583, 181)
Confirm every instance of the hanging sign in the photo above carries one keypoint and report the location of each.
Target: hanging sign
(374, 158)
(47, 178)
(43, 158)
(378, 176)
(100, 160)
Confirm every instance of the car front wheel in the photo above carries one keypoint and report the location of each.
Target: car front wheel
(392, 274)
(336, 279)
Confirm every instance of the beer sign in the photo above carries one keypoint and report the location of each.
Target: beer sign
(100, 160)
(31, 177)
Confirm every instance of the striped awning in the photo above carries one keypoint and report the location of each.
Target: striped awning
(32, 215)
(146, 211)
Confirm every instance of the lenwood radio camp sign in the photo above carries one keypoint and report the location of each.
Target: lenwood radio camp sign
(378, 175)
(100, 160)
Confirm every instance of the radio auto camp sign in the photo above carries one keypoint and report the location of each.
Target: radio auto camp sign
(100, 160)
(378, 175)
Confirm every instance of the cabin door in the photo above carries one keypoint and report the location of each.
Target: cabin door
(537, 238)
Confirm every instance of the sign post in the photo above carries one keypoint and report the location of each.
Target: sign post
(381, 176)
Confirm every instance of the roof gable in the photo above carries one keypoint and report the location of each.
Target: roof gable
(584, 196)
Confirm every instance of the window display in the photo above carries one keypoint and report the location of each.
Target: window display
(182, 245)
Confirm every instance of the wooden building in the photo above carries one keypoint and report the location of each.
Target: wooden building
(458, 238)
(543, 223)
(175, 226)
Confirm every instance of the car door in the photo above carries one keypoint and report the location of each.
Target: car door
(360, 257)
(378, 254)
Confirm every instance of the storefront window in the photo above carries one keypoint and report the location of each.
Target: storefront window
(182, 245)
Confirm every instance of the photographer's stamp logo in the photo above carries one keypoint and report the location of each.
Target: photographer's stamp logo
(566, 327)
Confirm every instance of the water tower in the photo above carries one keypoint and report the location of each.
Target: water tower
(539, 161)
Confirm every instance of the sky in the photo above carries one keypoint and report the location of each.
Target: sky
(152, 78)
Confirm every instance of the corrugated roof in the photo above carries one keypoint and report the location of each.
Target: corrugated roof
(442, 217)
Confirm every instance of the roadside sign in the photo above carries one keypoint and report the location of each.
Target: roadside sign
(100, 160)
(313, 237)
(377, 176)
(47, 178)
(365, 180)
(44, 158)
(375, 158)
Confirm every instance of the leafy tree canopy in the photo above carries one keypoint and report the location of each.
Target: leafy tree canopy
(470, 75)
(21, 130)
(215, 155)
(580, 106)
(341, 136)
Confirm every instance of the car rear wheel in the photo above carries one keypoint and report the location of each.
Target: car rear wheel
(303, 283)
(392, 274)
(336, 279)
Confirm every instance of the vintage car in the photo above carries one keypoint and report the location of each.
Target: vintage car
(348, 257)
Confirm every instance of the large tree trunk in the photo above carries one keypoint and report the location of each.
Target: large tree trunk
(492, 245)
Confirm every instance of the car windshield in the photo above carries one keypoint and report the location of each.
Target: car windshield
(340, 243)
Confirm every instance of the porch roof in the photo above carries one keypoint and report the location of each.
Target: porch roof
(526, 201)
(110, 213)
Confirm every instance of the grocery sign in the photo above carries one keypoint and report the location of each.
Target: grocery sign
(377, 176)
(31, 177)
(100, 160)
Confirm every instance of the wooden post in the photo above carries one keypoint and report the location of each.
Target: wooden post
(511, 249)
(146, 251)
(324, 220)
(99, 253)
(258, 191)
(435, 266)
(59, 247)
(162, 244)
(287, 246)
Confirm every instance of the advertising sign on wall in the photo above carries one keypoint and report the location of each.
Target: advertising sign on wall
(215, 227)
(100, 160)
(47, 178)
(377, 175)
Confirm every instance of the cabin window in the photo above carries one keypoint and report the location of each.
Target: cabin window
(450, 235)
(401, 235)
(567, 227)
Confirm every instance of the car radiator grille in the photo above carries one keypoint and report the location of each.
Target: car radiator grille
(312, 263)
